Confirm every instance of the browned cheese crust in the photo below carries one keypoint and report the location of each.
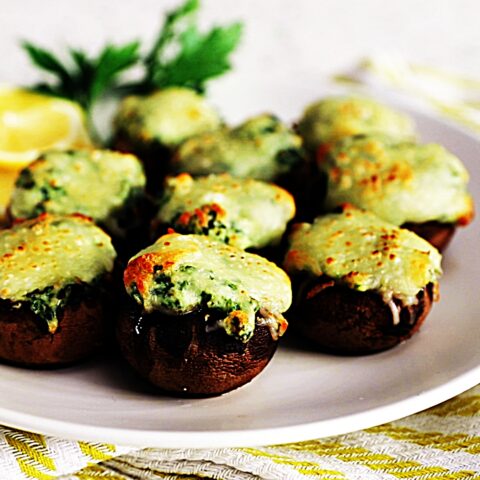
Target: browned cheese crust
(341, 320)
(188, 356)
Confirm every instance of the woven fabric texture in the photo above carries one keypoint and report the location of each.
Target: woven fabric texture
(442, 443)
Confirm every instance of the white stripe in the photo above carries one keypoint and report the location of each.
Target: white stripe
(449, 425)
(67, 454)
(406, 451)
(240, 461)
(260, 467)
(8, 462)
(178, 467)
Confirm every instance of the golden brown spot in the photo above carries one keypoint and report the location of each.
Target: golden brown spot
(335, 174)
(319, 288)
(351, 274)
(342, 157)
(322, 152)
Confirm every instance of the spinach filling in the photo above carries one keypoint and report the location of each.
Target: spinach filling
(25, 180)
(211, 225)
(48, 304)
(232, 311)
(289, 157)
(48, 192)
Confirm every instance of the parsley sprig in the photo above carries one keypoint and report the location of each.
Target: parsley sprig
(197, 57)
(85, 78)
(181, 55)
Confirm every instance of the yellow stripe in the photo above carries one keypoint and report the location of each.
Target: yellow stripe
(35, 437)
(303, 467)
(465, 406)
(33, 452)
(452, 442)
(30, 471)
(106, 472)
(380, 462)
(97, 450)
(97, 471)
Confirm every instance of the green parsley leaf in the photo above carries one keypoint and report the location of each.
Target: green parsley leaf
(197, 57)
(201, 57)
(84, 79)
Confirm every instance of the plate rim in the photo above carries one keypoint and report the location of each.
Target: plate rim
(244, 438)
(131, 437)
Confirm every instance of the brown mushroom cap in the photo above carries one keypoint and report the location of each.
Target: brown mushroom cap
(186, 355)
(154, 157)
(26, 341)
(341, 320)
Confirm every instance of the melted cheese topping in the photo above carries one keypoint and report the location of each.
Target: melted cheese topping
(51, 252)
(336, 117)
(260, 148)
(182, 273)
(357, 249)
(167, 116)
(94, 183)
(400, 182)
(242, 212)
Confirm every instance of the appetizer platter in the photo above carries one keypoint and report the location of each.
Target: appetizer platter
(201, 281)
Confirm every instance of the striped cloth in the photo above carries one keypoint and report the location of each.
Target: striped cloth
(442, 443)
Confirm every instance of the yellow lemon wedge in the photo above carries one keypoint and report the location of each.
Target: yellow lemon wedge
(31, 123)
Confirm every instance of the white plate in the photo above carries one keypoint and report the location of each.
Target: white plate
(301, 395)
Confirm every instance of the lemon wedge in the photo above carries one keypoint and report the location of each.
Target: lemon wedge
(31, 123)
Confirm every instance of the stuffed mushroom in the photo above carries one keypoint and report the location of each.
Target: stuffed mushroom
(245, 213)
(55, 279)
(422, 187)
(107, 186)
(336, 117)
(361, 285)
(262, 148)
(152, 126)
(203, 317)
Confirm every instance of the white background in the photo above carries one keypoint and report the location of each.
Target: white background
(315, 38)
